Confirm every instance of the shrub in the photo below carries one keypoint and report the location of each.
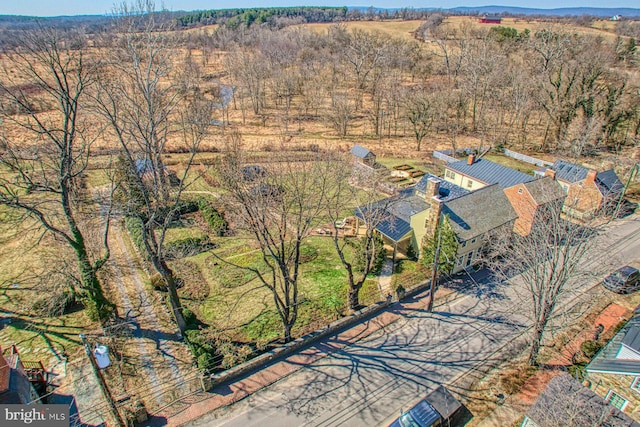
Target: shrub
(189, 318)
(134, 228)
(188, 246)
(215, 220)
(157, 283)
(513, 380)
(589, 348)
(54, 303)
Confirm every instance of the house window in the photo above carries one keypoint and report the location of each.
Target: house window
(463, 244)
(473, 240)
(635, 385)
(520, 191)
(450, 174)
(460, 260)
(616, 400)
(469, 183)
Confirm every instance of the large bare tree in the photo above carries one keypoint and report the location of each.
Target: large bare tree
(357, 188)
(278, 207)
(44, 154)
(548, 264)
(150, 100)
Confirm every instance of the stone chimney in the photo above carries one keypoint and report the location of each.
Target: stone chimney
(550, 173)
(591, 176)
(471, 159)
(433, 189)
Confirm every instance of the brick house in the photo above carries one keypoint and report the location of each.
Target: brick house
(473, 174)
(588, 191)
(15, 387)
(532, 199)
(614, 373)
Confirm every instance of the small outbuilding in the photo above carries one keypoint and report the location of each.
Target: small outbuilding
(490, 19)
(363, 155)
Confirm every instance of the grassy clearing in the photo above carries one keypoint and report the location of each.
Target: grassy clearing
(238, 302)
(512, 163)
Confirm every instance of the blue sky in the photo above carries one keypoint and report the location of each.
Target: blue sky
(79, 7)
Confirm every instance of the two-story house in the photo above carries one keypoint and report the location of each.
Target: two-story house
(416, 212)
(614, 373)
(473, 174)
(588, 191)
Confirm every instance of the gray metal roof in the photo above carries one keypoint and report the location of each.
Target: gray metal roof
(392, 226)
(567, 403)
(360, 151)
(632, 338)
(609, 183)
(569, 172)
(606, 361)
(480, 211)
(447, 190)
(489, 172)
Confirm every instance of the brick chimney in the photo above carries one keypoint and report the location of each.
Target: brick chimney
(591, 176)
(550, 173)
(433, 189)
(471, 159)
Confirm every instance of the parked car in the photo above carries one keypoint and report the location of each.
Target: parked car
(438, 408)
(623, 281)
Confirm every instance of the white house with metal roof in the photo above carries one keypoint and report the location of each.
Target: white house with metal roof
(474, 173)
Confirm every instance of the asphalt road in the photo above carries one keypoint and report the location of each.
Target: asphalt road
(373, 380)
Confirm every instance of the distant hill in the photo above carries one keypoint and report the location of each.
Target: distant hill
(565, 11)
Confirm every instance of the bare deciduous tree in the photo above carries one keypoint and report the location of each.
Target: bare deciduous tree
(44, 96)
(278, 208)
(548, 262)
(150, 102)
(349, 190)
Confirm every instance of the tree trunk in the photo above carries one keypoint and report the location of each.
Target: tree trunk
(174, 300)
(535, 346)
(287, 332)
(98, 307)
(354, 301)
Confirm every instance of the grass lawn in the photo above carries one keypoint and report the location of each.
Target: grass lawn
(511, 163)
(238, 303)
(24, 262)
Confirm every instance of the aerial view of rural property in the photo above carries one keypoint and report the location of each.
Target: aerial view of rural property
(255, 214)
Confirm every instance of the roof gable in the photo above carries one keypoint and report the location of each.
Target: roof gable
(544, 190)
(489, 172)
(360, 151)
(478, 212)
(611, 359)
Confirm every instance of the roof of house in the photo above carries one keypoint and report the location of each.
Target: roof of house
(480, 211)
(409, 201)
(490, 172)
(360, 151)
(606, 360)
(447, 189)
(567, 403)
(569, 172)
(544, 190)
(632, 338)
(396, 222)
(5, 373)
(608, 182)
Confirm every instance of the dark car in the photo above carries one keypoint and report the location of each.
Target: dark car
(623, 281)
(432, 411)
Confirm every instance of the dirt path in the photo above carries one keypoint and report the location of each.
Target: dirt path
(156, 366)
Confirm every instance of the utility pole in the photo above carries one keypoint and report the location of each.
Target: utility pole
(434, 272)
(102, 383)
